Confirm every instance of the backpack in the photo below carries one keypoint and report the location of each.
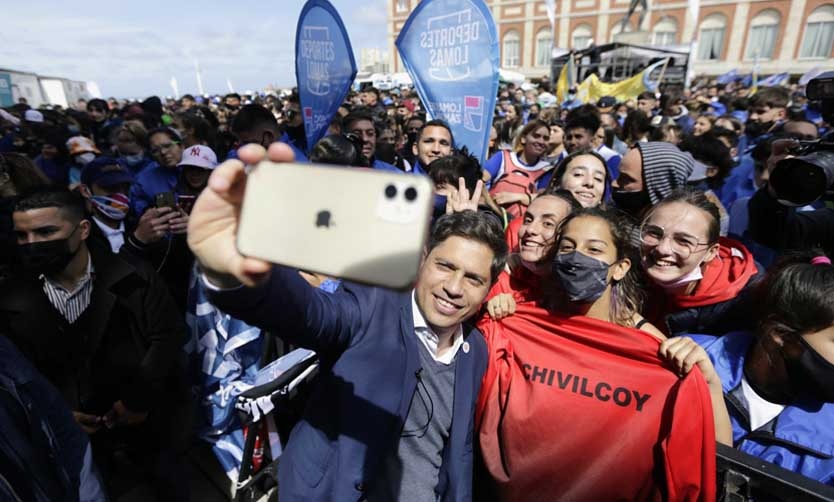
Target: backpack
(516, 179)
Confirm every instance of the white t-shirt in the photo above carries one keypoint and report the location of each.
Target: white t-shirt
(761, 410)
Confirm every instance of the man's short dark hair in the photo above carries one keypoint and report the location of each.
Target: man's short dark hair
(646, 95)
(476, 226)
(436, 123)
(773, 97)
(372, 90)
(69, 203)
(583, 117)
(97, 104)
(362, 113)
(252, 117)
(449, 169)
(188, 96)
(231, 95)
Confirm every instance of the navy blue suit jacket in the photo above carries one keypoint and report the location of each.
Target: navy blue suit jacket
(366, 341)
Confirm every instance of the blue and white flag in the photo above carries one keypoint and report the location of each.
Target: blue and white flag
(726, 78)
(774, 80)
(324, 66)
(450, 49)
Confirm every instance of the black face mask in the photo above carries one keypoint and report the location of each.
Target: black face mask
(583, 278)
(631, 202)
(47, 257)
(756, 129)
(386, 153)
(811, 374)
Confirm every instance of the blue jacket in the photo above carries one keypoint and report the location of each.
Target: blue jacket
(800, 439)
(298, 153)
(384, 166)
(138, 168)
(153, 180)
(365, 339)
(44, 454)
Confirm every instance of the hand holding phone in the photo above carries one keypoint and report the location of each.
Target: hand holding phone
(357, 224)
(165, 199)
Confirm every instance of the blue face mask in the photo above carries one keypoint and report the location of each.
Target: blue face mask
(134, 160)
(583, 278)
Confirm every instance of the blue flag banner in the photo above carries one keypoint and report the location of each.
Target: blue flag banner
(774, 80)
(726, 78)
(450, 49)
(324, 66)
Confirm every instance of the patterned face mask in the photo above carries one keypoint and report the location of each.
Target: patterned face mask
(114, 207)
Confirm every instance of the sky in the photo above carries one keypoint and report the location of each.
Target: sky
(132, 48)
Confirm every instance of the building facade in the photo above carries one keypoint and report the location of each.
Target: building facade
(778, 35)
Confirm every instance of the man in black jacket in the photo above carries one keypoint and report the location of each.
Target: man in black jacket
(104, 331)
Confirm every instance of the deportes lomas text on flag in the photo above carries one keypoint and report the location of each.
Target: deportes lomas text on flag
(450, 49)
(324, 66)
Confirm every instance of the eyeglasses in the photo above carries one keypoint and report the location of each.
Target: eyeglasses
(683, 245)
(163, 147)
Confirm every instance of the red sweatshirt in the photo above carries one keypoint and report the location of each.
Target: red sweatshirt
(724, 278)
(573, 408)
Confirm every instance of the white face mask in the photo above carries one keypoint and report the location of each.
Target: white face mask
(85, 158)
(694, 275)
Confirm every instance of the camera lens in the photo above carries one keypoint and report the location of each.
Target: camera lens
(390, 191)
(410, 194)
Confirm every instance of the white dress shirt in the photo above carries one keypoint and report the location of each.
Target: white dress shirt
(430, 338)
(116, 236)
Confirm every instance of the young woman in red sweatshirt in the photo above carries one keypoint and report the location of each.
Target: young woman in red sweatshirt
(699, 282)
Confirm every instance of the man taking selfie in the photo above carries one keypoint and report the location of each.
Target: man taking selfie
(392, 416)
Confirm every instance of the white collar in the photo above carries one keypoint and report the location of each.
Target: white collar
(107, 230)
(429, 337)
(87, 277)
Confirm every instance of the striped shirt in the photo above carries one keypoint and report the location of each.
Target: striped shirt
(71, 304)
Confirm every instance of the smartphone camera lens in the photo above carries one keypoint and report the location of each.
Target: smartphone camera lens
(390, 191)
(410, 194)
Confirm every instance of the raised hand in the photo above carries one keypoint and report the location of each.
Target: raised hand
(459, 200)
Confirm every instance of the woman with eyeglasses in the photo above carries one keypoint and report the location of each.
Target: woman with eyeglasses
(544, 417)
(699, 280)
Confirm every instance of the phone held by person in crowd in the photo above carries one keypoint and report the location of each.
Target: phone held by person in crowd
(186, 202)
(165, 199)
(355, 224)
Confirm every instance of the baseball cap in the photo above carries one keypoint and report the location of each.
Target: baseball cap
(105, 171)
(198, 156)
(81, 144)
(606, 102)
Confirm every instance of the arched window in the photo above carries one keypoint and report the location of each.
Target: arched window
(761, 40)
(819, 33)
(665, 32)
(711, 39)
(581, 37)
(544, 44)
(402, 5)
(510, 49)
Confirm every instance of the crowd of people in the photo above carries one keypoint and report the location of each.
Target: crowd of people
(646, 233)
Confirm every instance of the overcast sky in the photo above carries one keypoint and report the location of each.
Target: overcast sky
(133, 48)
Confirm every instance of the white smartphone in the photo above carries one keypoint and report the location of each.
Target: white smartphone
(356, 224)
